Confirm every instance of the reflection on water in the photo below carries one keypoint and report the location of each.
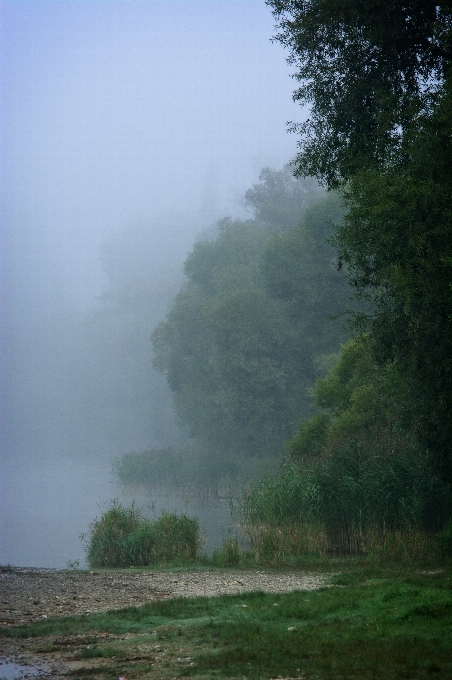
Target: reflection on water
(45, 509)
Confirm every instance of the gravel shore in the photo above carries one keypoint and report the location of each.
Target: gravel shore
(30, 594)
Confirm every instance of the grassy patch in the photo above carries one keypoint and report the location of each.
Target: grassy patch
(373, 623)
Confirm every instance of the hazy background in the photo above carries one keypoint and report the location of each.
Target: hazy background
(127, 129)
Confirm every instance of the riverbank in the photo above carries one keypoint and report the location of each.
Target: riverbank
(36, 595)
(370, 622)
(28, 595)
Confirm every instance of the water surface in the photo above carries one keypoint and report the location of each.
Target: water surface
(46, 508)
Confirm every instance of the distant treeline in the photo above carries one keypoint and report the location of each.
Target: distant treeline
(252, 327)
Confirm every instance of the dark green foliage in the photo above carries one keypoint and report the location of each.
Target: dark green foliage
(123, 538)
(378, 78)
(357, 468)
(310, 440)
(362, 401)
(367, 70)
(352, 502)
(288, 499)
(397, 240)
(444, 539)
(228, 555)
(373, 470)
(240, 346)
(365, 496)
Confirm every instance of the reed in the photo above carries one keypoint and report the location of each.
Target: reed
(189, 472)
(389, 507)
(122, 537)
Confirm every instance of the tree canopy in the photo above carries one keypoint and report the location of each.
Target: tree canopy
(367, 71)
(378, 80)
(245, 337)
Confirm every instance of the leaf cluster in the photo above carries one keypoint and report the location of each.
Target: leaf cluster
(366, 71)
(378, 80)
(357, 472)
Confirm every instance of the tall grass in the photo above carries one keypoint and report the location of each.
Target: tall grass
(349, 503)
(375, 495)
(122, 537)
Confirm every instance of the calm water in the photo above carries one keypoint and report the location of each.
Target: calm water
(45, 508)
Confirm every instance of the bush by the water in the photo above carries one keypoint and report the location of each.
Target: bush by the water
(122, 537)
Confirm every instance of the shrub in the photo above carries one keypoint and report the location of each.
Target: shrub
(177, 537)
(278, 545)
(311, 438)
(289, 498)
(364, 493)
(357, 466)
(109, 535)
(122, 537)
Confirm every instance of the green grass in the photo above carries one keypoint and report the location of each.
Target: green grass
(375, 622)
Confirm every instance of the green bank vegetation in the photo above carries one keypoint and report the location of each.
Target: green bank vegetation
(357, 480)
(356, 507)
(357, 476)
(245, 339)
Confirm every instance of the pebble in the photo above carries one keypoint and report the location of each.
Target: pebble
(65, 592)
(27, 592)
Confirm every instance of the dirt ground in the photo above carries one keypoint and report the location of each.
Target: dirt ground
(30, 595)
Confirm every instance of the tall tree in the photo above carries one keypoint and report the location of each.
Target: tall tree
(367, 70)
(397, 239)
(377, 77)
(279, 198)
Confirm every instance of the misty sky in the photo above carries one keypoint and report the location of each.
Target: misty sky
(127, 128)
(121, 112)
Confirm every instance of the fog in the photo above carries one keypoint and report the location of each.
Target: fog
(128, 128)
